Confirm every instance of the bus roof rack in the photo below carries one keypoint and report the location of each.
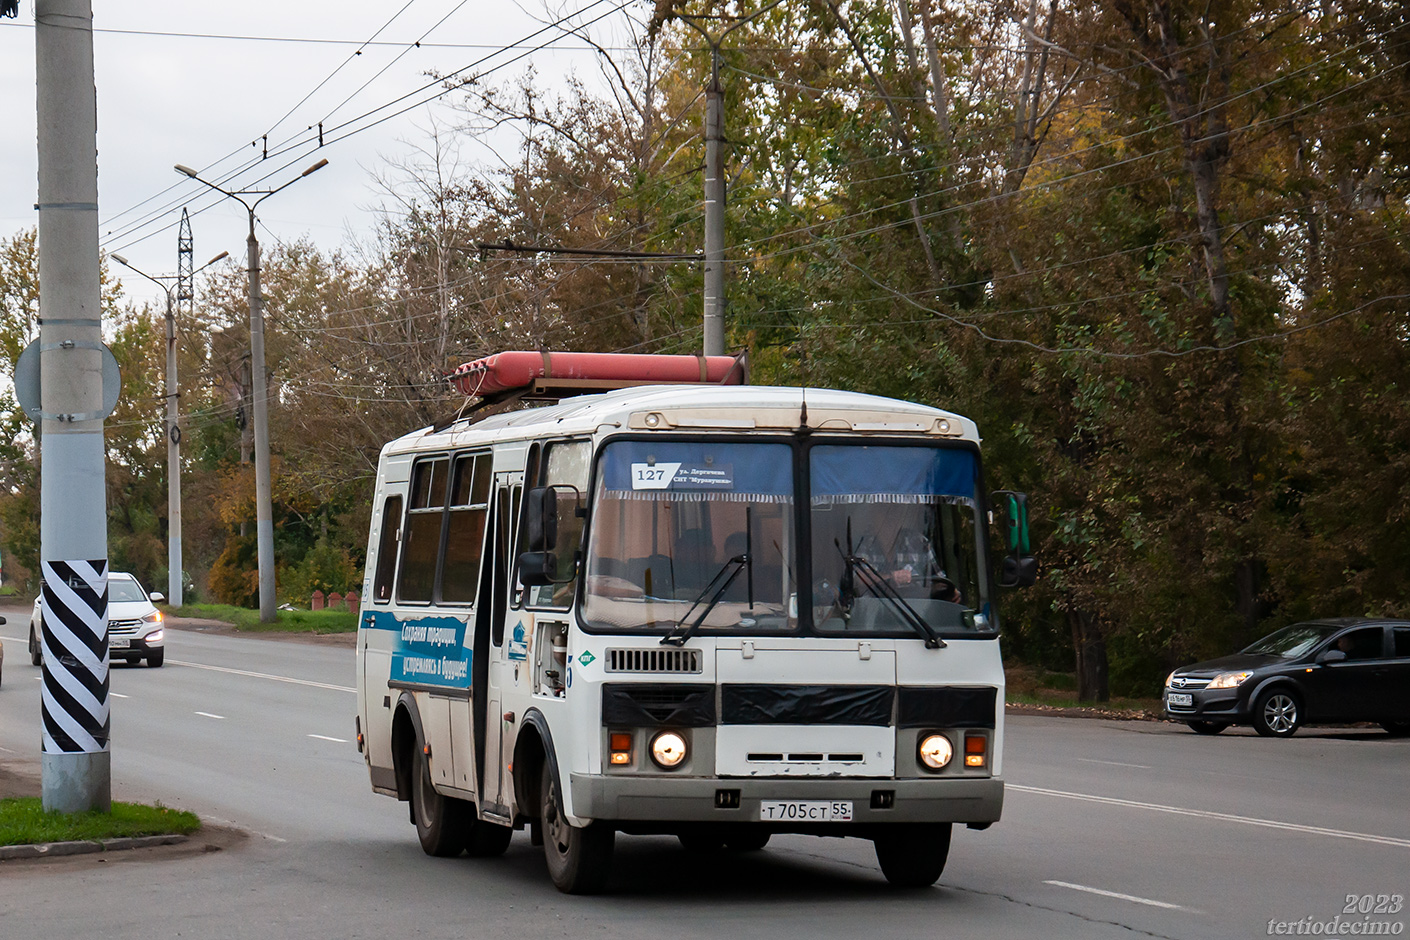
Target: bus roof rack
(509, 377)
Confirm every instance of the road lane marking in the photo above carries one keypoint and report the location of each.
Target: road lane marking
(1121, 897)
(264, 675)
(209, 715)
(1113, 763)
(235, 825)
(324, 737)
(1221, 817)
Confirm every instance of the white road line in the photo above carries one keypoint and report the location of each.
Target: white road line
(1121, 897)
(1113, 763)
(1221, 817)
(235, 825)
(324, 737)
(209, 715)
(264, 675)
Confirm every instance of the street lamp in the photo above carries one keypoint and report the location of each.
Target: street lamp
(264, 515)
(173, 432)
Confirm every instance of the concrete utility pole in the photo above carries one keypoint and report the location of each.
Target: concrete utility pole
(76, 764)
(264, 513)
(714, 321)
(714, 211)
(173, 429)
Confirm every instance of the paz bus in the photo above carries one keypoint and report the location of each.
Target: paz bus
(661, 601)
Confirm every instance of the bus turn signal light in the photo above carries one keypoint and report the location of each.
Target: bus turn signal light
(620, 748)
(974, 748)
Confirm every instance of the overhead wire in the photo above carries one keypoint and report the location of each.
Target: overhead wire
(302, 139)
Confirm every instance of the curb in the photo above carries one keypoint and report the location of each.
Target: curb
(57, 849)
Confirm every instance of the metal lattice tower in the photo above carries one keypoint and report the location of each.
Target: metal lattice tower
(185, 271)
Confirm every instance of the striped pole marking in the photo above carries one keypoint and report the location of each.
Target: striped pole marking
(75, 701)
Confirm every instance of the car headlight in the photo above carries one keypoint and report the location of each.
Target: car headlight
(1228, 680)
(155, 636)
(668, 749)
(1169, 679)
(154, 617)
(935, 751)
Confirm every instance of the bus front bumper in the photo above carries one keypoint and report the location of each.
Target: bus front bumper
(874, 800)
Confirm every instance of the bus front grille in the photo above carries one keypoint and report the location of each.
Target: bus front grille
(653, 660)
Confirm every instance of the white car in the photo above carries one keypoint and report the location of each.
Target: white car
(135, 629)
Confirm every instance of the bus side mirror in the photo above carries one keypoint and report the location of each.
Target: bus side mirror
(1020, 568)
(541, 521)
(538, 568)
(1018, 572)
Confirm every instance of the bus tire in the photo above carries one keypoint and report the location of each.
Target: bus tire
(487, 840)
(701, 841)
(441, 822)
(913, 856)
(747, 840)
(579, 859)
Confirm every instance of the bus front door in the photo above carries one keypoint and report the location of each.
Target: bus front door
(491, 662)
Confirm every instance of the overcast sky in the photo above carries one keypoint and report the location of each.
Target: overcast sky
(165, 99)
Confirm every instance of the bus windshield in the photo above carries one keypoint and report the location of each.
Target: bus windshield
(685, 528)
(671, 517)
(894, 539)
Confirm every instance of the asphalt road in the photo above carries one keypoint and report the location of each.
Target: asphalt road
(1111, 829)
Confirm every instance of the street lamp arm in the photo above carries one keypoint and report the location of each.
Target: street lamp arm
(317, 166)
(220, 257)
(128, 264)
(187, 171)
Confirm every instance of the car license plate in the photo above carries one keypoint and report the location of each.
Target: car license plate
(805, 811)
(1180, 698)
(118, 643)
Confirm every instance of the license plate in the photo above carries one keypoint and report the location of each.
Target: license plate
(1179, 698)
(118, 643)
(805, 811)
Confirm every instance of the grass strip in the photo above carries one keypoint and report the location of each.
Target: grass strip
(23, 821)
(290, 621)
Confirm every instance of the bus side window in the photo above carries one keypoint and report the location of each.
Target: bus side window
(421, 537)
(387, 550)
(532, 468)
(568, 464)
(465, 530)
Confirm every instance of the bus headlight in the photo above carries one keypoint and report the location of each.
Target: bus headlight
(936, 751)
(668, 749)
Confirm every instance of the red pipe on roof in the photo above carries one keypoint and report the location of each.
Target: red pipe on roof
(512, 370)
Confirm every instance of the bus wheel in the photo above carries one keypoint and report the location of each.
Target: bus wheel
(579, 860)
(913, 856)
(748, 840)
(701, 841)
(487, 840)
(441, 821)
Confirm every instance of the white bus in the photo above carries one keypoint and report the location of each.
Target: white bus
(718, 612)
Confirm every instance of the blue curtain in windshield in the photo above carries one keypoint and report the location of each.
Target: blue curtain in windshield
(698, 470)
(891, 474)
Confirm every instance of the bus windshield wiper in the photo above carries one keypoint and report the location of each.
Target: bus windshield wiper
(714, 591)
(876, 582)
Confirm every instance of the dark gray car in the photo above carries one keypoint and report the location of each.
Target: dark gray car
(1336, 670)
